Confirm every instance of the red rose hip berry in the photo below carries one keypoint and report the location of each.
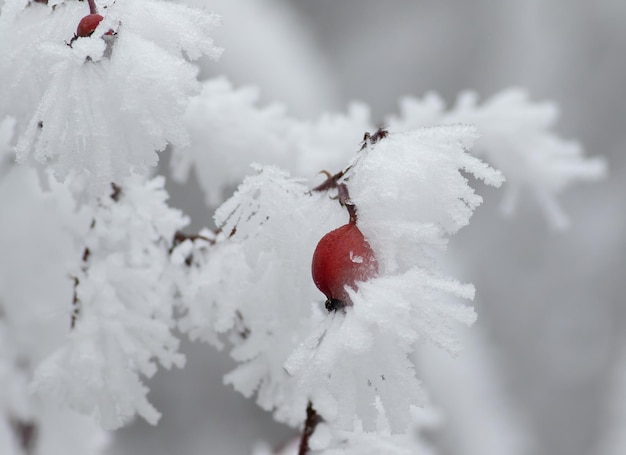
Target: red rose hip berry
(342, 258)
(88, 24)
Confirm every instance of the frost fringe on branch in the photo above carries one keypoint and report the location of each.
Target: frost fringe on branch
(291, 349)
(122, 310)
(35, 298)
(515, 136)
(97, 115)
(403, 216)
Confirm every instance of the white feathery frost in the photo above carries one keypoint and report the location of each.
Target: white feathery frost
(123, 315)
(229, 131)
(257, 282)
(411, 180)
(517, 137)
(110, 102)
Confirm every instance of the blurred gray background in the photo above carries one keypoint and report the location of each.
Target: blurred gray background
(551, 305)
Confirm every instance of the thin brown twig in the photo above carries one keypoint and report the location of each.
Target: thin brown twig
(75, 299)
(334, 181)
(331, 180)
(26, 432)
(115, 195)
(342, 192)
(312, 419)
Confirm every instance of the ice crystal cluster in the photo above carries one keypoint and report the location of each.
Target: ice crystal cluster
(122, 314)
(117, 279)
(33, 310)
(97, 110)
(515, 135)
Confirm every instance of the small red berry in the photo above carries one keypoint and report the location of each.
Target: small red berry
(88, 24)
(342, 258)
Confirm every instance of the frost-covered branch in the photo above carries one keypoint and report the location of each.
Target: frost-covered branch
(517, 137)
(340, 361)
(37, 242)
(123, 314)
(94, 115)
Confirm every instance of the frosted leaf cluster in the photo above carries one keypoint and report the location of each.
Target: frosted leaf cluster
(229, 131)
(35, 299)
(104, 106)
(258, 285)
(122, 318)
(257, 282)
(25, 27)
(517, 137)
(410, 196)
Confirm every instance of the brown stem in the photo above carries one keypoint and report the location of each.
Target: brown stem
(115, 195)
(75, 305)
(342, 192)
(180, 237)
(75, 299)
(243, 330)
(117, 191)
(92, 7)
(332, 181)
(369, 139)
(26, 432)
(312, 419)
(344, 199)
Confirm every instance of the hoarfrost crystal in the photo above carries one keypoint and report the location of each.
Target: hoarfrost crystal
(515, 137)
(122, 318)
(104, 112)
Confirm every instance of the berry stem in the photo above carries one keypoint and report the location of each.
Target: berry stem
(344, 199)
(342, 192)
(312, 419)
(92, 7)
(332, 181)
